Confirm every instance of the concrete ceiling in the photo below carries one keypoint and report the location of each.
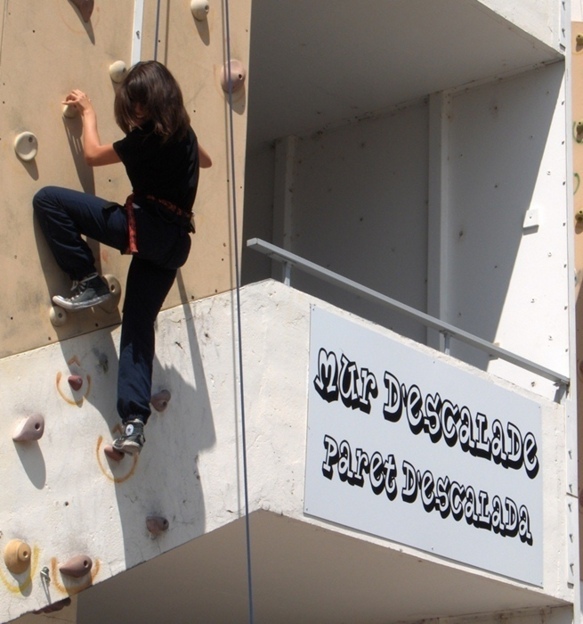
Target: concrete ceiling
(301, 573)
(316, 63)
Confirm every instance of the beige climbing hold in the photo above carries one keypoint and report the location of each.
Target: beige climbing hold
(156, 524)
(29, 429)
(17, 556)
(200, 9)
(118, 71)
(26, 146)
(160, 400)
(57, 316)
(110, 305)
(234, 72)
(77, 566)
(114, 285)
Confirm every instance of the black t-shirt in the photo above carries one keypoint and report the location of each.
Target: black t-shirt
(167, 171)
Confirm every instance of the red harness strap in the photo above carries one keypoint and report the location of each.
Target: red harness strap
(185, 217)
(132, 232)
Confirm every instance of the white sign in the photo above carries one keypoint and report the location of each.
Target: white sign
(415, 450)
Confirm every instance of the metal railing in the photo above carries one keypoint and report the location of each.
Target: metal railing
(448, 331)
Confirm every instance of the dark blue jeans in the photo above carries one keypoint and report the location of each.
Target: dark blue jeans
(64, 216)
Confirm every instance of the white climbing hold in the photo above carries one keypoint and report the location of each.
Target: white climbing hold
(29, 429)
(200, 9)
(26, 146)
(118, 71)
(58, 316)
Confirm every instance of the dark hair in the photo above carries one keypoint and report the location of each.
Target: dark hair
(152, 87)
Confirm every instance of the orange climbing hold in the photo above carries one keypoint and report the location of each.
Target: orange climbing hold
(17, 556)
(160, 400)
(156, 524)
(29, 429)
(77, 566)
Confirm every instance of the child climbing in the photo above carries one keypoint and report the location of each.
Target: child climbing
(162, 157)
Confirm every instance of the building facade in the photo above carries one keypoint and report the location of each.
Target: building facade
(365, 404)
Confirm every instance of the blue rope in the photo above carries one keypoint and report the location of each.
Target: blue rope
(239, 328)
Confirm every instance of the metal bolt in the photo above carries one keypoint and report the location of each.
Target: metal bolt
(45, 575)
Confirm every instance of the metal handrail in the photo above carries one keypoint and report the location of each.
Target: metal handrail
(446, 329)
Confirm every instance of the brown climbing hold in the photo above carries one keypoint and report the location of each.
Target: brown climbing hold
(29, 429)
(77, 566)
(17, 556)
(56, 606)
(75, 381)
(156, 524)
(160, 400)
(85, 8)
(112, 453)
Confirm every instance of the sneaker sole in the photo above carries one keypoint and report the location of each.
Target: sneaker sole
(68, 305)
(128, 448)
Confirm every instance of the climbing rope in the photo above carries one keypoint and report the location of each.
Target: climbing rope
(238, 308)
(157, 31)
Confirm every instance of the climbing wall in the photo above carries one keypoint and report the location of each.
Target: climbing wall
(71, 515)
(50, 47)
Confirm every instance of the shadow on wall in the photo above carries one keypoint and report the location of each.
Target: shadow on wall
(166, 481)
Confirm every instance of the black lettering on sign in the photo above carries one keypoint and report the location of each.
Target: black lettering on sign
(355, 387)
(326, 381)
(475, 434)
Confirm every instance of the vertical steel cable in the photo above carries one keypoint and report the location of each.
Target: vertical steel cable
(157, 31)
(238, 304)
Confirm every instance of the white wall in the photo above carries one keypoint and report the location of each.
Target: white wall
(539, 18)
(359, 208)
(357, 200)
(507, 155)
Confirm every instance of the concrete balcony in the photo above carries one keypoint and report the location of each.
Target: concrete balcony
(63, 497)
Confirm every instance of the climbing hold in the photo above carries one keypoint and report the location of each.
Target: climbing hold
(200, 9)
(29, 429)
(156, 524)
(70, 111)
(110, 305)
(77, 566)
(26, 146)
(118, 71)
(56, 606)
(85, 8)
(75, 381)
(112, 453)
(114, 285)
(17, 556)
(160, 400)
(57, 316)
(233, 73)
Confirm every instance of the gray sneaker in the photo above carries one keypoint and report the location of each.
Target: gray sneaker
(132, 439)
(87, 293)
